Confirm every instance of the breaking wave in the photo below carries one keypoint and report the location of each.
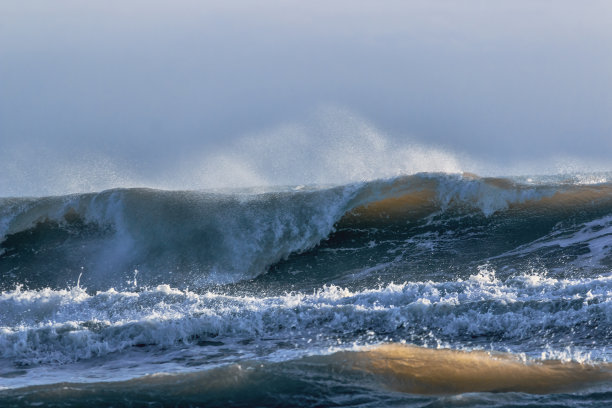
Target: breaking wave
(198, 238)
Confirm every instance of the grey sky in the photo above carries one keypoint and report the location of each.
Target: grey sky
(98, 93)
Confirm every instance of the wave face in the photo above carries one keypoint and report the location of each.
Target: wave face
(418, 372)
(279, 290)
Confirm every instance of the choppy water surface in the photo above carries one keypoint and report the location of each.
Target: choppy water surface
(423, 290)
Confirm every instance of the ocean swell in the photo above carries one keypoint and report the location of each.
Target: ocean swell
(117, 238)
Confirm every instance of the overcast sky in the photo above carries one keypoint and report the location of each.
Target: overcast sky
(96, 94)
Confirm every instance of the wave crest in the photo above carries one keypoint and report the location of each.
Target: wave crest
(200, 238)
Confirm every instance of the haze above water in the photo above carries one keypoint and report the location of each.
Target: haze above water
(191, 94)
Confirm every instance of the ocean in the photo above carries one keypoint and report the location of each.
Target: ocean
(421, 290)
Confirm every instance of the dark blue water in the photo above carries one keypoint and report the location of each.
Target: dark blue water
(424, 290)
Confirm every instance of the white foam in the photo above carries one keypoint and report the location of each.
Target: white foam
(61, 326)
(595, 234)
